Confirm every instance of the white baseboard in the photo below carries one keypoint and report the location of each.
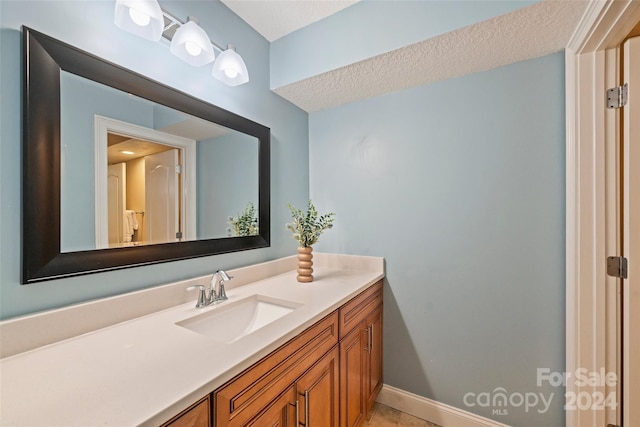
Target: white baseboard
(430, 410)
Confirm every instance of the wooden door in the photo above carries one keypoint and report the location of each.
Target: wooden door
(352, 364)
(280, 413)
(631, 238)
(161, 197)
(373, 366)
(318, 393)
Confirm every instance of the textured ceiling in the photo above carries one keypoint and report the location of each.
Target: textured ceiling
(276, 18)
(527, 33)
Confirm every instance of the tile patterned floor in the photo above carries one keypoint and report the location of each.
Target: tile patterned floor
(384, 416)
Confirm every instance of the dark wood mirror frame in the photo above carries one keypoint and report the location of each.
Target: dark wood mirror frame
(42, 258)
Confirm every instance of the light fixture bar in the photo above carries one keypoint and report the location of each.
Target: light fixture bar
(187, 40)
(172, 23)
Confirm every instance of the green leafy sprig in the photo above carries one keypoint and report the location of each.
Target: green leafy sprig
(307, 226)
(245, 224)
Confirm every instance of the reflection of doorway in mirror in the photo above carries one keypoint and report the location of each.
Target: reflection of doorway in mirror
(143, 191)
(141, 185)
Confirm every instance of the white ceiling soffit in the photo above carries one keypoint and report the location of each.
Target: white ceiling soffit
(531, 32)
(277, 18)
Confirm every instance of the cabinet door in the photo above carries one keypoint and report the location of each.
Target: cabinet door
(352, 364)
(318, 392)
(373, 366)
(281, 412)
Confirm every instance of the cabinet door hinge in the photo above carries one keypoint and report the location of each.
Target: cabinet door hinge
(617, 266)
(617, 96)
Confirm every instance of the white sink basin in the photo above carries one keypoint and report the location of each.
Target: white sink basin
(230, 321)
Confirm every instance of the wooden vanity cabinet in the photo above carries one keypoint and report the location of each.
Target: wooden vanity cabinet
(360, 355)
(327, 376)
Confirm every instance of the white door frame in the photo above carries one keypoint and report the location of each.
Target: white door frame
(103, 125)
(631, 236)
(592, 62)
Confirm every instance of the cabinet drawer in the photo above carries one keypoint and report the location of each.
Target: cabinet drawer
(357, 309)
(247, 394)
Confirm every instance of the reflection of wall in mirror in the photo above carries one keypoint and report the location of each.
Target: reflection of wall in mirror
(227, 180)
(80, 101)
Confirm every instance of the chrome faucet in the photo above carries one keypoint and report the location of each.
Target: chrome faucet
(215, 293)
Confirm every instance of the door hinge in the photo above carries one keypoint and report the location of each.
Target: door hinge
(617, 266)
(617, 96)
(179, 235)
(178, 169)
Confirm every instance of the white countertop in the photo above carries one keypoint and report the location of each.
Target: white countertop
(146, 370)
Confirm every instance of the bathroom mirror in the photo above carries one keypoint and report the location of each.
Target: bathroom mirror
(65, 206)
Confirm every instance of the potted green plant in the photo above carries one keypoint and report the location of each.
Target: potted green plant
(245, 223)
(307, 228)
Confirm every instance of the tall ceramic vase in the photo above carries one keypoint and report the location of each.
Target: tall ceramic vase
(305, 272)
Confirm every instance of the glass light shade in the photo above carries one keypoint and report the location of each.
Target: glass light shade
(230, 69)
(140, 17)
(191, 44)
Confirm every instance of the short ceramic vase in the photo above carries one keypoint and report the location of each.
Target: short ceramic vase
(305, 272)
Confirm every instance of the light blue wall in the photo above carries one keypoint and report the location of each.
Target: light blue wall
(373, 27)
(227, 181)
(460, 186)
(89, 26)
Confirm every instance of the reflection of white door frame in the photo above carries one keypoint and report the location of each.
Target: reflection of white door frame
(104, 125)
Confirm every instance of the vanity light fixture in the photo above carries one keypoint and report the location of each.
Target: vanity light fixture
(229, 68)
(191, 44)
(140, 17)
(189, 41)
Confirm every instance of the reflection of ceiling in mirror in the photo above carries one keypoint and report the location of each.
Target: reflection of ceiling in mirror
(119, 143)
(196, 129)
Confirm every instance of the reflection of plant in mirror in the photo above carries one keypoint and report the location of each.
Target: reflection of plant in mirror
(307, 227)
(245, 224)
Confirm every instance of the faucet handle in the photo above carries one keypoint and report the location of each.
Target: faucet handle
(202, 295)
